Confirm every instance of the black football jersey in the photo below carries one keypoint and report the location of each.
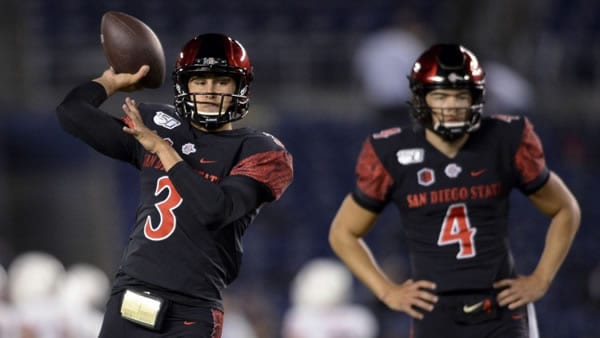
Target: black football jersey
(186, 242)
(454, 211)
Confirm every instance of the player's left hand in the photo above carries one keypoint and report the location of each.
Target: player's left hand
(520, 291)
(136, 127)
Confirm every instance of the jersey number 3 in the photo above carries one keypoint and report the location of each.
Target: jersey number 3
(165, 208)
(457, 229)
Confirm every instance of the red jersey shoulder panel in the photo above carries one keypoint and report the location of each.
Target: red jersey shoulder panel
(272, 168)
(372, 178)
(529, 158)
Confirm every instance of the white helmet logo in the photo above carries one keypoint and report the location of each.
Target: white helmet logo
(453, 77)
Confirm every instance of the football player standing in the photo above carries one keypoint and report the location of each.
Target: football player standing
(451, 176)
(202, 184)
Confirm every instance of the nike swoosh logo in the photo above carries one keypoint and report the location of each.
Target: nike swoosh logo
(471, 308)
(205, 161)
(185, 322)
(476, 173)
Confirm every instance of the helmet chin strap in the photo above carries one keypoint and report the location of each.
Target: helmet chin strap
(205, 116)
(208, 113)
(450, 131)
(449, 125)
(453, 130)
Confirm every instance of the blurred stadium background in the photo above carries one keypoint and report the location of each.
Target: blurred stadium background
(59, 197)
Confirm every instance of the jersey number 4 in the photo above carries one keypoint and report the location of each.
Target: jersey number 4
(456, 228)
(165, 208)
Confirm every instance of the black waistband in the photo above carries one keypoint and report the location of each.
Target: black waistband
(468, 292)
(452, 300)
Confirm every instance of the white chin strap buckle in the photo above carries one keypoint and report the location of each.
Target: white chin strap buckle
(209, 113)
(449, 125)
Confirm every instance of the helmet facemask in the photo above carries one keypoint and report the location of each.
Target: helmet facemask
(448, 130)
(447, 67)
(187, 101)
(213, 55)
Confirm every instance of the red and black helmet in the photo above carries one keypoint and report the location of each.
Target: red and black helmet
(447, 66)
(213, 54)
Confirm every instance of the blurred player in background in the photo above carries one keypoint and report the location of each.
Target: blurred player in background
(451, 177)
(321, 304)
(202, 184)
(34, 278)
(83, 293)
(381, 56)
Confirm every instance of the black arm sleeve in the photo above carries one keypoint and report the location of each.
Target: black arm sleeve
(218, 204)
(80, 116)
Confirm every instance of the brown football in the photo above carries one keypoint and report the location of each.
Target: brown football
(129, 43)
